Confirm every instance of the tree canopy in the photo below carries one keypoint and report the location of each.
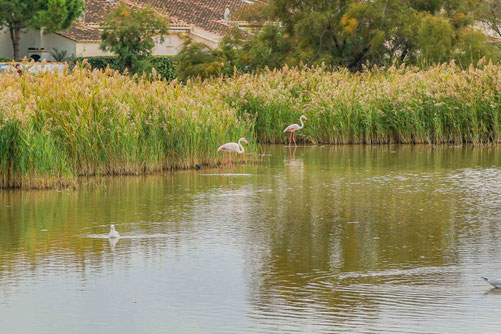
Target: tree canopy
(197, 59)
(130, 32)
(354, 33)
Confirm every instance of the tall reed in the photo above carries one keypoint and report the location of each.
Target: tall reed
(55, 127)
(443, 104)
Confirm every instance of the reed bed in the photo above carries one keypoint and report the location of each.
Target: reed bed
(442, 104)
(56, 127)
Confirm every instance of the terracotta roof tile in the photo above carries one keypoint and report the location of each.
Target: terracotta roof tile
(96, 10)
(81, 33)
(204, 14)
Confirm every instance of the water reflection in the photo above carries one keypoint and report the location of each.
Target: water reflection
(292, 153)
(343, 239)
(113, 242)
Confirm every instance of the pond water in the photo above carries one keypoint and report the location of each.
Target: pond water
(325, 239)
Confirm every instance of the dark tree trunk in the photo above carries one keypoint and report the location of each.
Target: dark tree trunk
(356, 64)
(404, 53)
(15, 36)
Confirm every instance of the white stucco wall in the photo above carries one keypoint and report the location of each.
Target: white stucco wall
(90, 50)
(55, 41)
(171, 45)
(33, 39)
(29, 39)
(5, 44)
(203, 36)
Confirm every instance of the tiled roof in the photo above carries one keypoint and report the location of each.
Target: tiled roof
(81, 33)
(204, 14)
(96, 10)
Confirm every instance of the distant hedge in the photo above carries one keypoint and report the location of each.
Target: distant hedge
(164, 65)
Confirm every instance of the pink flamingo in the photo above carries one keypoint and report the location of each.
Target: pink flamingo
(232, 147)
(293, 128)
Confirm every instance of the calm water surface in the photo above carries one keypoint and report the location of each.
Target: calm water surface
(338, 239)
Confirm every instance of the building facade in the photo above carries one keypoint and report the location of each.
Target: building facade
(203, 21)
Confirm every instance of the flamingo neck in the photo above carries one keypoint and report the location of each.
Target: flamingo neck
(241, 148)
(301, 120)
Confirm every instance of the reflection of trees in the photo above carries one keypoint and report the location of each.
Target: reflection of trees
(38, 228)
(360, 210)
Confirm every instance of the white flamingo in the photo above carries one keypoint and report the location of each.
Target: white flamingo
(232, 148)
(293, 128)
(113, 233)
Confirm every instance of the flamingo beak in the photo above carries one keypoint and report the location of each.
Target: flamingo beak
(246, 142)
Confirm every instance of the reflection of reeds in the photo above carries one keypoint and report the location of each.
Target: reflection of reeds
(55, 127)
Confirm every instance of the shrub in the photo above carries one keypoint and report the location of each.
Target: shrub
(163, 65)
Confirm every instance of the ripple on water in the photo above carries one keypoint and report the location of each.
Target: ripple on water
(387, 301)
(255, 259)
(122, 236)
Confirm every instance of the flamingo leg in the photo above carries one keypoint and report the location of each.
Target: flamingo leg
(290, 139)
(231, 165)
(225, 160)
(294, 137)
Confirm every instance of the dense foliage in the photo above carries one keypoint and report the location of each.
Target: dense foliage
(354, 34)
(55, 127)
(163, 65)
(197, 59)
(130, 33)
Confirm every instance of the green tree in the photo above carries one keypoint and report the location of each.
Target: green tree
(351, 33)
(343, 32)
(130, 33)
(472, 46)
(267, 48)
(197, 60)
(51, 15)
(435, 39)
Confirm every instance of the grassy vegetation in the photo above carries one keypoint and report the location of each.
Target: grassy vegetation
(56, 127)
(53, 128)
(443, 104)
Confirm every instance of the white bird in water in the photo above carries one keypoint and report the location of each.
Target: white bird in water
(293, 128)
(494, 282)
(113, 233)
(232, 148)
